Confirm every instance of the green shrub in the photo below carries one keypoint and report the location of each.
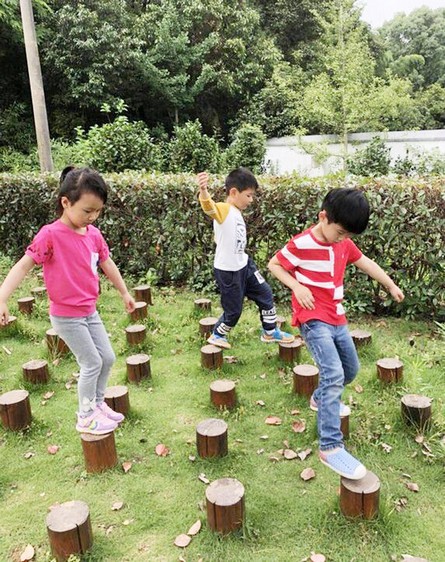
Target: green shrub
(16, 128)
(190, 150)
(247, 148)
(373, 160)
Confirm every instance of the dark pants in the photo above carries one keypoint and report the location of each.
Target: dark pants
(234, 286)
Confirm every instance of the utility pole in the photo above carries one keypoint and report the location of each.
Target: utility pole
(36, 84)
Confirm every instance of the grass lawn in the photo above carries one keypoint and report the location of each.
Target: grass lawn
(287, 518)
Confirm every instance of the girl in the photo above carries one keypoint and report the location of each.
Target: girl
(70, 250)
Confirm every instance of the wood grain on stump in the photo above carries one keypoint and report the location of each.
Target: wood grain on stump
(416, 410)
(206, 325)
(36, 371)
(290, 352)
(361, 337)
(99, 451)
(69, 529)
(360, 498)
(39, 292)
(223, 394)
(140, 312)
(203, 304)
(225, 505)
(143, 293)
(136, 334)
(211, 438)
(26, 304)
(211, 357)
(389, 370)
(344, 426)
(15, 410)
(118, 399)
(138, 367)
(305, 379)
(56, 345)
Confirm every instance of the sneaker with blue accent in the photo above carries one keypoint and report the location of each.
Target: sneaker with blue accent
(219, 341)
(343, 463)
(277, 336)
(96, 423)
(344, 410)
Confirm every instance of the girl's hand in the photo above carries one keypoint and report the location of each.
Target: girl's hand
(396, 293)
(304, 297)
(129, 302)
(4, 314)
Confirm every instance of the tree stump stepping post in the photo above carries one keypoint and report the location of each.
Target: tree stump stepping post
(56, 345)
(203, 304)
(36, 371)
(416, 411)
(138, 367)
(211, 438)
(26, 304)
(361, 337)
(15, 410)
(11, 322)
(305, 379)
(206, 326)
(143, 293)
(140, 312)
(69, 529)
(225, 505)
(290, 352)
(136, 334)
(39, 292)
(360, 498)
(223, 394)
(211, 357)
(99, 451)
(389, 370)
(118, 399)
(344, 426)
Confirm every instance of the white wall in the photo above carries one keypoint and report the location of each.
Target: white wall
(284, 156)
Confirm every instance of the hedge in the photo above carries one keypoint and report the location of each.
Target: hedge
(154, 223)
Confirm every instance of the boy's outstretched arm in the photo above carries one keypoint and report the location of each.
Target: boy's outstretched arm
(112, 272)
(376, 272)
(15, 276)
(303, 295)
(203, 182)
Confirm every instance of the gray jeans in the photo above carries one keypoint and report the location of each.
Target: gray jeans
(88, 340)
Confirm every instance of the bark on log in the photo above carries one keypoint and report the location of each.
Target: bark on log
(225, 505)
(136, 334)
(99, 451)
(361, 337)
(56, 345)
(140, 312)
(206, 326)
(211, 438)
(69, 529)
(305, 379)
(223, 394)
(26, 304)
(138, 367)
(15, 410)
(389, 370)
(290, 352)
(118, 399)
(211, 357)
(143, 293)
(360, 498)
(203, 304)
(36, 371)
(416, 411)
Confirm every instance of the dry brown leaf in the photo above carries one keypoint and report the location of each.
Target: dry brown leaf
(307, 474)
(27, 554)
(6, 350)
(289, 454)
(260, 403)
(317, 557)
(263, 376)
(295, 412)
(162, 450)
(52, 449)
(264, 437)
(117, 506)
(260, 451)
(419, 439)
(273, 420)
(203, 478)
(230, 359)
(127, 522)
(299, 426)
(48, 395)
(195, 528)
(303, 454)
(182, 540)
(192, 458)
(358, 388)
(400, 504)
(274, 458)
(29, 455)
(126, 466)
(412, 486)
(68, 385)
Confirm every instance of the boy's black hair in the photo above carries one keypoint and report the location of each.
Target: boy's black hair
(347, 207)
(242, 179)
(76, 181)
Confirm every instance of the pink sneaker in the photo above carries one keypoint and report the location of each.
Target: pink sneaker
(96, 423)
(109, 413)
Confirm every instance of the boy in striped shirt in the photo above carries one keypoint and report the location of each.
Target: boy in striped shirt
(312, 265)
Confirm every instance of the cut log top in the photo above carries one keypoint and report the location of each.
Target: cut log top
(369, 484)
(38, 291)
(222, 385)
(211, 427)
(13, 397)
(389, 363)
(225, 492)
(203, 303)
(35, 364)
(360, 334)
(138, 358)
(26, 299)
(90, 438)
(298, 342)
(208, 321)
(210, 349)
(135, 328)
(305, 370)
(142, 288)
(67, 516)
(116, 391)
(416, 401)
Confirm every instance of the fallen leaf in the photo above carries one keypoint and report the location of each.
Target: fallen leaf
(307, 474)
(358, 388)
(127, 522)
(162, 450)
(182, 540)
(27, 554)
(387, 448)
(29, 455)
(260, 403)
(286, 444)
(192, 458)
(289, 454)
(56, 362)
(203, 478)
(195, 528)
(263, 376)
(295, 412)
(401, 503)
(117, 506)
(68, 385)
(274, 458)
(299, 426)
(419, 439)
(317, 557)
(273, 420)
(6, 350)
(230, 359)
(303, 454)
(48, 395)
(409, 558)
(260, 451)
(52, 449)
(264, 437)
(126, 466)
(412, 486)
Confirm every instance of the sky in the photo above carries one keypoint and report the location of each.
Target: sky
(376, 12)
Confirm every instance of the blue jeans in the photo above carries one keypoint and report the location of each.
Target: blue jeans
(334, 352)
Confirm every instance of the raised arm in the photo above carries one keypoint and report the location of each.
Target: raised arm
(15, 276)
(369, 267)
(216, 211)
(112, 272)
(303, 295)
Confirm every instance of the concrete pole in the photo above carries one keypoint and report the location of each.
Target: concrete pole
(36, 84)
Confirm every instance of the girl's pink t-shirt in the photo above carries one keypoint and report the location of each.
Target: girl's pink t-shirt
(70, 267)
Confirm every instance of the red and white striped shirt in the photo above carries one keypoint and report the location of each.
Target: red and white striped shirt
(320, 267)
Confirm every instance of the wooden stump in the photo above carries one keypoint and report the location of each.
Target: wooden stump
(360, 498)
(136, 333)
(140, 312)
(290, 352)
(389, 370)
(36, 371)
(138, 367)
(15, 410)
(99, 451)
(26, 304)
(143, 293)
(56, 345)
(211, 357)
(11, 322)
(344, 426)
(225, 505)
(281, 321)
(305, 379)
(211, 438)
(223, 394)
(206, 326)
(39, 292)
(361, 337)
(203, 304)
(416, 410)
(118, 399)
(69, 529)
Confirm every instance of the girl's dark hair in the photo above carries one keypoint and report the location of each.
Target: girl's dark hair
(242, 179)
(347, 207)
(76, 181)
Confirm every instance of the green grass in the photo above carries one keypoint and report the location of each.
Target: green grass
(286, 518)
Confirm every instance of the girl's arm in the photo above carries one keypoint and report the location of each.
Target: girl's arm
(111, 271)
(15, 276)
(376, 272)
